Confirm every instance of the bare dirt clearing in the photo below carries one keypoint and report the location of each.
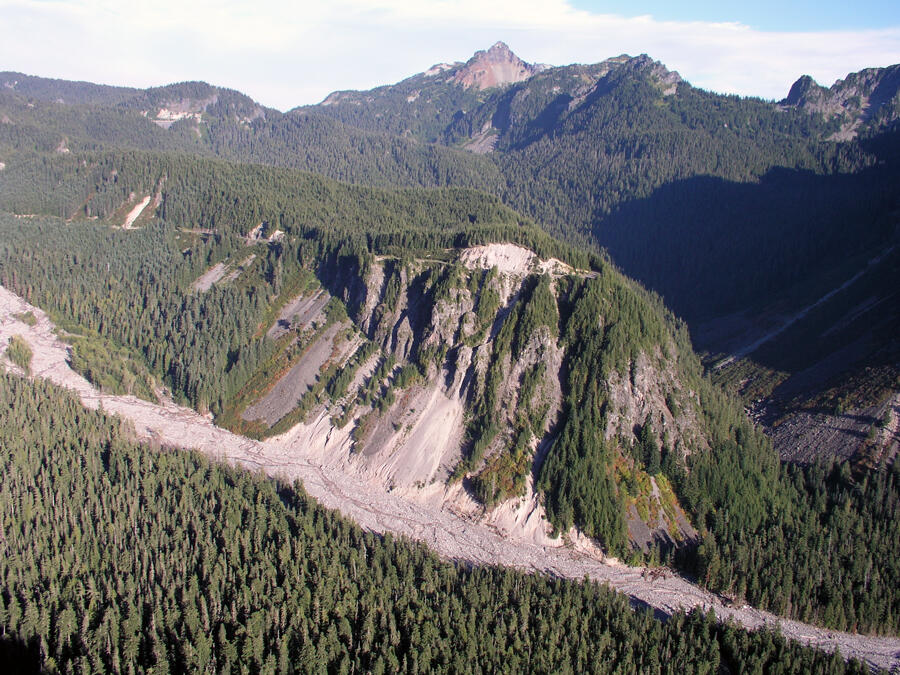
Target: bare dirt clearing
(515, 260)
(206, 280)
(418, 514)
(415, 446)
(288, 391)
(223, 272)
(135, 213)
(299, 312)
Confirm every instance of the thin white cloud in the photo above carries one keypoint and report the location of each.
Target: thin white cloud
(288, 53)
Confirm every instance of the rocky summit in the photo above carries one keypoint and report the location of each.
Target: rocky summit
(495, 67)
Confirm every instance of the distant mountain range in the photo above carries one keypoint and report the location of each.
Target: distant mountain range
(436, 278)
(739, 212)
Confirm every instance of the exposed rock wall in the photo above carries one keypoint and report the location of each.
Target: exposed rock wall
(450, 340)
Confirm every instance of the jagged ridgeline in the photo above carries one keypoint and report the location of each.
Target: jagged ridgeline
(714, 201)
(621, 153)
(449, 340)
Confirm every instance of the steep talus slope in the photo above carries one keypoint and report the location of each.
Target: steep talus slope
(455, 371)
(574, 391)
(110, 480)
(478, 338)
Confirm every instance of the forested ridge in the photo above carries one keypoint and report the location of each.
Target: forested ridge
(662, 174)
(621, 154)
(116, 558)
(234, 128)
(758, 515)
(786, 538)
(97, 278)
(232, 198)
(594, 155)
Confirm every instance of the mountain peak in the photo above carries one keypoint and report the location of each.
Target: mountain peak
(493, 68)
(501, 47)
(802, 91)
(870, 94)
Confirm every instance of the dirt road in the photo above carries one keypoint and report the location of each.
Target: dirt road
(295, 456)
(790, 321)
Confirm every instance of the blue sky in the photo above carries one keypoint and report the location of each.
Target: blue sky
(796, 15)
(285, 53)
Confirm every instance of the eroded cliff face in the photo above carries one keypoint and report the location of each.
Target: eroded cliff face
(449, 377)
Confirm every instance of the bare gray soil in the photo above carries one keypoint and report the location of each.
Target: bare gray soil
(206, 280)
(301, 312)
(804, 436)
(296, 455)
(223, 272)
(286, 393)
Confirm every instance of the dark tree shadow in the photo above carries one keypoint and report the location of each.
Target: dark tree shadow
(19, 656)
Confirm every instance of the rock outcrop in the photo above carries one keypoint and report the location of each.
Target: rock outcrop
(493, 68)
(870, 96)
(457, 368)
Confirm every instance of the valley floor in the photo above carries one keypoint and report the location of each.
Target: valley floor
(303, 454)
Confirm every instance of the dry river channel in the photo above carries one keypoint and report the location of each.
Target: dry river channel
(378, 509)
